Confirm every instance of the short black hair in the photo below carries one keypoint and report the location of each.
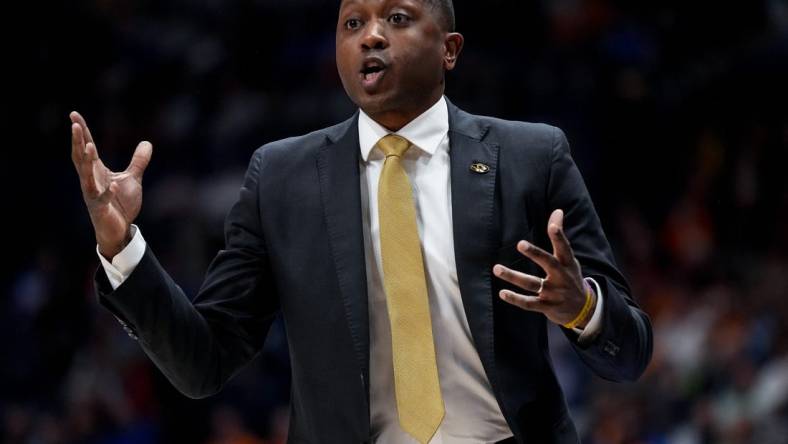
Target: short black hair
(445, 9)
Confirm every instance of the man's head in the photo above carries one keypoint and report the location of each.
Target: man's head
(392, 55)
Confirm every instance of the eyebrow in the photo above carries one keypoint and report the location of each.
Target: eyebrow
(345, 3)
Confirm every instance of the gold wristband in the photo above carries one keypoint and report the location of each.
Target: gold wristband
(585, 310)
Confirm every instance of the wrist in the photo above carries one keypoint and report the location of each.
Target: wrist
(585, 314)
(110, 248)
(583, 323)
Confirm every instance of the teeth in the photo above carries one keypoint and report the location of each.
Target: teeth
(370, 71)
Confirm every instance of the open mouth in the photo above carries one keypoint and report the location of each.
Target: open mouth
(372, 72)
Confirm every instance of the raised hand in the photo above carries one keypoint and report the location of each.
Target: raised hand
(560, 296)
(113, 198)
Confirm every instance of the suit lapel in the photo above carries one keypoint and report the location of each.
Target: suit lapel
(473, 200)
(338, 168)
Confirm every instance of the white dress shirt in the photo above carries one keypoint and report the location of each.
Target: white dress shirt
(472, 412)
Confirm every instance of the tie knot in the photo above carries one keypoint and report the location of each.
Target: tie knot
(394, 145)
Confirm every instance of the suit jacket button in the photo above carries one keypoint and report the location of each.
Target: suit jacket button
(131, 333)
(611, 348)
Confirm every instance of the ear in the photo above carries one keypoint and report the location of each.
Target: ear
(453, 46)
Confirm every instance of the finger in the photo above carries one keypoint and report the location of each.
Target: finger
(531, 303)
(555, 230)
(547, 261)
(78, 119)
(87, 172)
(82, 162)
(522, 280)
(77, 144)
(140, 159)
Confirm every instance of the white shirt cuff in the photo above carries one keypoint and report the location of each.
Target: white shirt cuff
(595, 324)
(124, 263)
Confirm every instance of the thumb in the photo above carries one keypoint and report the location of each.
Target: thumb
(140, 159)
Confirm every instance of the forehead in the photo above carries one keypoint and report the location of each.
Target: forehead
(379, 3)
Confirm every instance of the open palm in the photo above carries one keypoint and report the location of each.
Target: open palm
(113, 198)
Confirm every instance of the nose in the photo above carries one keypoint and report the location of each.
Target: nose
(374, 37)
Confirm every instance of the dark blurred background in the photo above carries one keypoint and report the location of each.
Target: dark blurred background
(677, 116)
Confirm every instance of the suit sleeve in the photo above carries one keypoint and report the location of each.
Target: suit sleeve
(200, 345)
(622, 349)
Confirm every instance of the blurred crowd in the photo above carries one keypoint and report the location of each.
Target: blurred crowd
(676, 113)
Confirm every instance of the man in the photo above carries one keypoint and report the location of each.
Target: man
(392, 243)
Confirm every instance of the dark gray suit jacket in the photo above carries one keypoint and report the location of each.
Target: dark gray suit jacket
(294, 244)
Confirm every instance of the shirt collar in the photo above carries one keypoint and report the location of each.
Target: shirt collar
(425, 131)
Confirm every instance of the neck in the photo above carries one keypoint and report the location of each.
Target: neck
(395, 120)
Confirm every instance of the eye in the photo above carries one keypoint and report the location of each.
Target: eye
(352, 24)
(399, 18)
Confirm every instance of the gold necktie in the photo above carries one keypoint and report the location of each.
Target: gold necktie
(419, 402)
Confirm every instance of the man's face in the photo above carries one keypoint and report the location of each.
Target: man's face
(391, 55)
